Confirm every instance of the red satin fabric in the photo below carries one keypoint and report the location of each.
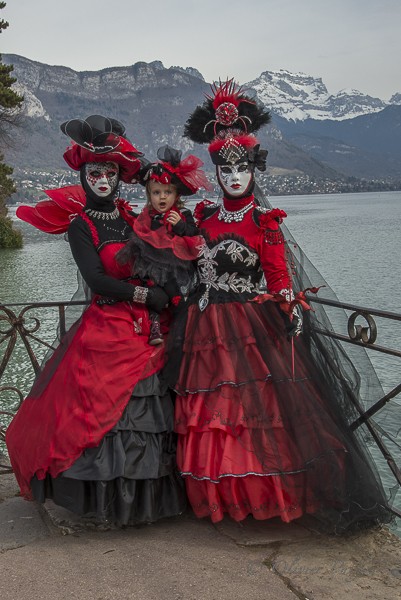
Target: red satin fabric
(64, 204)
(124, 154)
(84, 387)
(262, 498)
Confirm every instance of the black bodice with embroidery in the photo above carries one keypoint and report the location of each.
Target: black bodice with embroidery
(229, 270)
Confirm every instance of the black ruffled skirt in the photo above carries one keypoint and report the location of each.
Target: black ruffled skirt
(131, 476)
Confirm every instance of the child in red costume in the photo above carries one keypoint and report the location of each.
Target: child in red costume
(166, 240)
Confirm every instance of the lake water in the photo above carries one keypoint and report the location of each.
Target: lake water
(353, 239)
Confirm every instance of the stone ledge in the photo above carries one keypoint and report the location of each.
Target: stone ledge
(366, 566)
(68, 523)
(311, 565)
(20, 524)
(251, 532)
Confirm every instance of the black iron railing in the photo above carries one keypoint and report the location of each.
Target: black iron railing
(366, 336)
(19, 325)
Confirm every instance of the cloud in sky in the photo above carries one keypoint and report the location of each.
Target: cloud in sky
(348, 43)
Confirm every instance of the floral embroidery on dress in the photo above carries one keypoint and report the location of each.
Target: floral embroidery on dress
(234, 282)
(235, 250)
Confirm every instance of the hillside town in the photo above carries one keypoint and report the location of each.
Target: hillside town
(30, 184)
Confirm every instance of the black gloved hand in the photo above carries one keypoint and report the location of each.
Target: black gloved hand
(154, 297)
(157, 298)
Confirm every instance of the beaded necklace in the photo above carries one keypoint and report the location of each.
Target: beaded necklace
(228, 216)
(104, 216)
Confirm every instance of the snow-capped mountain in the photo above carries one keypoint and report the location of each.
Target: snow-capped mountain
(297, 96)
(312, 132)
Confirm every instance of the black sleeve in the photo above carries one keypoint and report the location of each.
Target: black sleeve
(91, 267)
(187, 227)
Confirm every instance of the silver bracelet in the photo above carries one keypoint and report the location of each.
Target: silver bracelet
(140, 294)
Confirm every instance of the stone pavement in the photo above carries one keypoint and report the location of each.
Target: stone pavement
(47, 553)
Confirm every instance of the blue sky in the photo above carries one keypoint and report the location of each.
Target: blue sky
(348, 43)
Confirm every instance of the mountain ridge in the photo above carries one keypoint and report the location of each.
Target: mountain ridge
(154, 102)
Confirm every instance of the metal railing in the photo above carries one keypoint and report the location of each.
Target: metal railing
(18, 324)
(366, 336)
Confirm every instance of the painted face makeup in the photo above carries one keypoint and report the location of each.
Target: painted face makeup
(162, 196)
(235, 180)
(102, 178)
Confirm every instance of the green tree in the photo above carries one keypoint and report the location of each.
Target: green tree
(10, 109)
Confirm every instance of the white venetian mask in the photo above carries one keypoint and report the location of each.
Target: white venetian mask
(102, 178)
(235, 180)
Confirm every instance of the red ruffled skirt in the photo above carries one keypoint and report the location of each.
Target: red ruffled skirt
(254, 436)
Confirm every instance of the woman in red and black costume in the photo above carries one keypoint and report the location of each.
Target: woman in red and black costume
(260, 420)
(95, 434)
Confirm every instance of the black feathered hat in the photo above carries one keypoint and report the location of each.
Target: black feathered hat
(226, 121)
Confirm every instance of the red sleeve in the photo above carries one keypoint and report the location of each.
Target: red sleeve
(273, 258)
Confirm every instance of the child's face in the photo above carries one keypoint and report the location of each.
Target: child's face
(162, 196)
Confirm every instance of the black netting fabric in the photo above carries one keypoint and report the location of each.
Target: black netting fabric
(351, 365)
(161, 266)
(72, 313)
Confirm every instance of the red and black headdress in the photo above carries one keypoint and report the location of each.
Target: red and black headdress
(95, 139)
(226, 121)
(101, 139)
(185, 174)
